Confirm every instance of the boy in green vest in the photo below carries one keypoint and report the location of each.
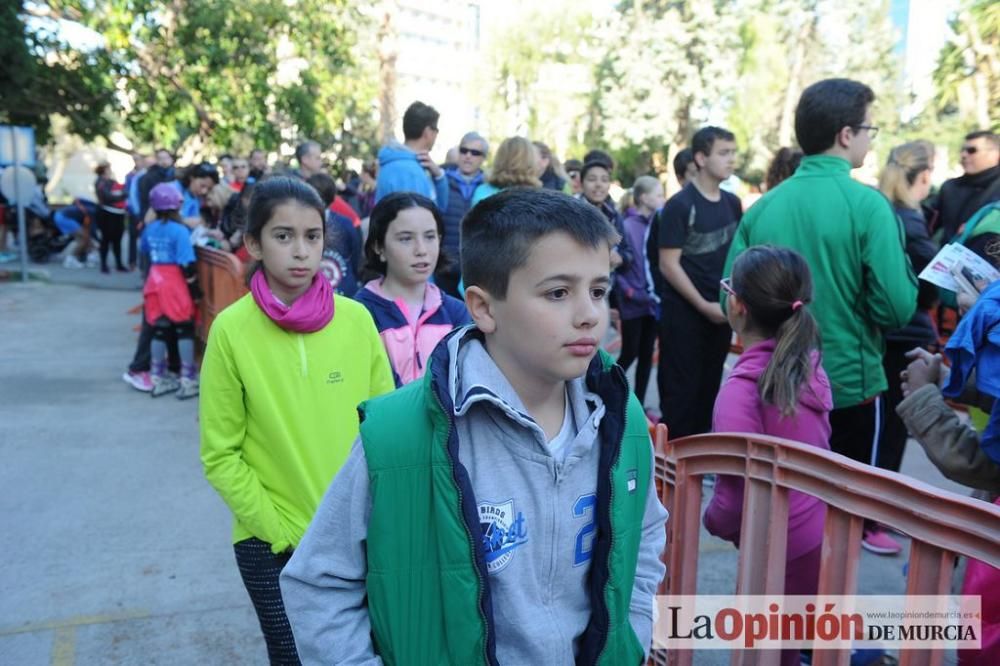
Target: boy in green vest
(501, 509)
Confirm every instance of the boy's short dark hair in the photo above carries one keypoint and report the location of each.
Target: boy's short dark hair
(825, 108)
(596, 155)
(682, 159)
(303, 149)
(325, 186)
(499, 232)
(984, 134)
(417, 117)
(705, 138)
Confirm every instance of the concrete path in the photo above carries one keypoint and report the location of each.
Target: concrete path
(118, 551)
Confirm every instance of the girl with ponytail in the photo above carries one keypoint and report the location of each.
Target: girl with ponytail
(778, 388)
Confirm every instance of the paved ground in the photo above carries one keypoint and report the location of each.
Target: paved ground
(118, 550)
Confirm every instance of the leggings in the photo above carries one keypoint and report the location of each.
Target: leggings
(141, 361)
(182, 336)
(112, 228)
(638, 338)
(260, 569)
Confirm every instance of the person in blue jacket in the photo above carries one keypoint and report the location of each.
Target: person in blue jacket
(408, 167)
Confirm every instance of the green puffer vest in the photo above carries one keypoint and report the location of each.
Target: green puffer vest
(428, 591)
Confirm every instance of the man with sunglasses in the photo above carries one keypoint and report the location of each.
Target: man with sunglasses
(979, 184)
(463, 179)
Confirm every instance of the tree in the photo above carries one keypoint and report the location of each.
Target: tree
(538, 72)
(41, 75)
(211, 74)
(968, 72)
(673, 66)
(668, 65)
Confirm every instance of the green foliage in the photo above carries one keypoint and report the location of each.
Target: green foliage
(968, 72)
(41, 75)
(537, 74)
(232, 74)
(666, 67)
(671, 67)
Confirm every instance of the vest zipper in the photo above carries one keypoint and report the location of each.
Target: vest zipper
(611, 504)
(468, 534)
(302, 356)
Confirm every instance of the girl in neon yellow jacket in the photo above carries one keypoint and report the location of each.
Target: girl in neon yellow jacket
(285, 369)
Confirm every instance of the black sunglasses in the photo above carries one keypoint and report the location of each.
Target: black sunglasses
(471, 151)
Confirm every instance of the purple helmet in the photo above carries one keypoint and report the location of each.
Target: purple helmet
(165, 196)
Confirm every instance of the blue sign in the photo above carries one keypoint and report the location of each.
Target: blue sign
(17, 142)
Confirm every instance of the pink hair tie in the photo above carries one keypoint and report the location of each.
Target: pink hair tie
(796, 305)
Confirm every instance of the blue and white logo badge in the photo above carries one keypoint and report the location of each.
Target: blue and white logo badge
(503, 533)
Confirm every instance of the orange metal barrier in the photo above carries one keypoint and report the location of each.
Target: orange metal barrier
(221, 278)
(941, 524)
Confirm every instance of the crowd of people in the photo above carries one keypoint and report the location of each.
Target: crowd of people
(462, 311)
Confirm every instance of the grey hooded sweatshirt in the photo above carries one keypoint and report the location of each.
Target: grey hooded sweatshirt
(541, 605)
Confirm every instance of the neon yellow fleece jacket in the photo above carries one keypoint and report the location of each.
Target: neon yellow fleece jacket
(279, 412)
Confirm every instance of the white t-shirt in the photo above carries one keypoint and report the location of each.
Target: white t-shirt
(560, 444)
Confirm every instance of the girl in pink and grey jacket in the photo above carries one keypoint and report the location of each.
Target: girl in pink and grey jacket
(411, 314)
(778, 388)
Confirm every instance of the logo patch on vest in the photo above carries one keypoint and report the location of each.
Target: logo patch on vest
(503, 533)
(633, 481)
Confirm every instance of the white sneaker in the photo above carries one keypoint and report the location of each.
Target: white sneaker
(189, 389)
(164, 385)
(72, 262)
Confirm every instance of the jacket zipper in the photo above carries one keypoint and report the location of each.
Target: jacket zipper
(468, 533)
(424, 316)
(302, 356)
(554, 527)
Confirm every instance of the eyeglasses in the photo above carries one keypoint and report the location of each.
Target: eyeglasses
(970, 150)
(872, 130)
(471, 151)
(727, 286)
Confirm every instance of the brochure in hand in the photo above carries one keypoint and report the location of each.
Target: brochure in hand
(957, 259)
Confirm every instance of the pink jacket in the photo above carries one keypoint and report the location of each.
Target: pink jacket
(409, 347)
(738, 408)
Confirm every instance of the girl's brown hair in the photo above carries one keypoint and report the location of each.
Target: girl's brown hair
(775, 285)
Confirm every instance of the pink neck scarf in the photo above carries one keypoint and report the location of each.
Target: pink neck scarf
(310, 312)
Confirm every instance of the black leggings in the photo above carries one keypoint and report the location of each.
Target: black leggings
(112, 226)
(141, 359)
(260, 569)
(638, 338)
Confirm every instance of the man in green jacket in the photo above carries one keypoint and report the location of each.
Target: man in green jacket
(864, 285)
